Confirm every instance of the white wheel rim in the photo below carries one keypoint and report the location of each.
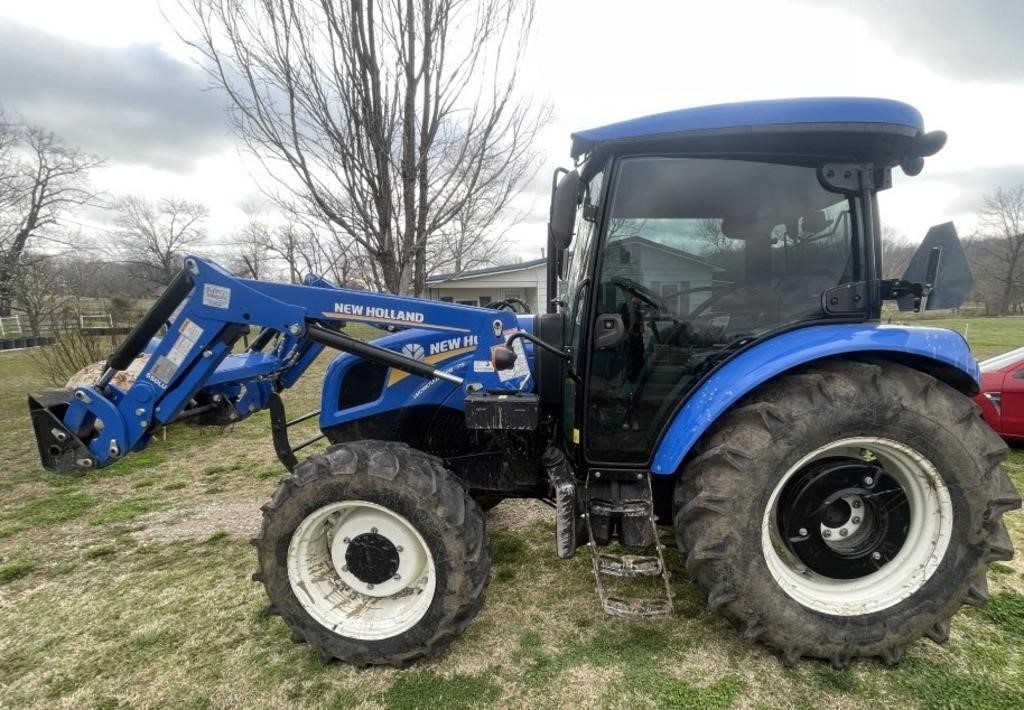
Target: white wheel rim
(339, 600)
(931, 524)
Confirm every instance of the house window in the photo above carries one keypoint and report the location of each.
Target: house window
(484, 300)
(446, 299)
(676, 297)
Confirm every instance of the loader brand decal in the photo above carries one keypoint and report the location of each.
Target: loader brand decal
(450, 345)
(437, 351)
(162, 372)
(379, 314)
(216, 296)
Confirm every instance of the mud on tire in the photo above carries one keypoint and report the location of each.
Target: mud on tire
(393, 477)
(721, 501)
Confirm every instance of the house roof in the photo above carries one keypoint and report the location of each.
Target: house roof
(473, 273)
(830, 112)
(672, 251)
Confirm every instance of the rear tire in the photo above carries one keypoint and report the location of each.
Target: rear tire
(810, 592)
(374, 554)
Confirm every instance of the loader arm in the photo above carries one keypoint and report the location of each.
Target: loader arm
(193, 372)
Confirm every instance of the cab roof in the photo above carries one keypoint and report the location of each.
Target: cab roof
(846, 114)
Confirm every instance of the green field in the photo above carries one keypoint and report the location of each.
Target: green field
(130, 588)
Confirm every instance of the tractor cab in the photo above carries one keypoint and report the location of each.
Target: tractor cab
(692, 235)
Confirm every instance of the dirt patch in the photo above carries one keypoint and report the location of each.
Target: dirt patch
(241, 518)
(518, 515)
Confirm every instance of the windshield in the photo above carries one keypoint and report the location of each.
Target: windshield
(700, 256)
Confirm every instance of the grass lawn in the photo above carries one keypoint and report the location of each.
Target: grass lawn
(130, 588)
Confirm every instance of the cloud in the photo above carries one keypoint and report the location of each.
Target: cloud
(135, 104)
(973, 41)
(970, 187)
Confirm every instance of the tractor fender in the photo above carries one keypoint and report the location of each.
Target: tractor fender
(938, 351)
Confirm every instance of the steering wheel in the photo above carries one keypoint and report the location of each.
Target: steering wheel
(639, 290)
(509, 304)
(651, 304)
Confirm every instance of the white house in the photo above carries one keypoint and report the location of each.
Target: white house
(478, 287)
(681, 278)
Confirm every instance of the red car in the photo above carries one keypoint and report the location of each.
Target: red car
(1002, 394)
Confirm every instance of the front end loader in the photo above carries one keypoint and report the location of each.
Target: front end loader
(711, 359)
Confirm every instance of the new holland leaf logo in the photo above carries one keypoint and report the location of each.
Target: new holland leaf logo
(413, 350)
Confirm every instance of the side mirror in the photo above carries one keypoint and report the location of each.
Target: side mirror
(564, 199)
(941, 268)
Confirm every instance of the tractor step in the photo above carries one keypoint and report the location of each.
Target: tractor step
(628, 565)
(637, 608)
(631, 508)
(631, 514)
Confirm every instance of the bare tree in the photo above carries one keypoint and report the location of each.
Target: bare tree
(392, 117)
(475, 238)
(41, 177)
(1000, 243)
(155, 236)
(39, 290)
(252, 246)
(314, 247)
(897, 251)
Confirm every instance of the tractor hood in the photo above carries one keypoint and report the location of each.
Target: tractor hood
(859, 129)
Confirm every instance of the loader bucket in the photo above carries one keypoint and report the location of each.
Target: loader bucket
(60, 450)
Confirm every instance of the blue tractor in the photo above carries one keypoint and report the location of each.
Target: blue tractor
(711, 359)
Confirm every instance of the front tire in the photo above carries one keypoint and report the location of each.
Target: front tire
(374, 554)
(846, 510)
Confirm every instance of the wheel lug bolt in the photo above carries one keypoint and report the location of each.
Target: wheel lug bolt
(344, 568)
(374, 530)
(346, 540)
(826, 533)
(397, 577)
(398, 549)
(855, 520)
(369, 586)
(876, 555)
(868, 480)
(856, 504)
(843, 532)
(803, 532)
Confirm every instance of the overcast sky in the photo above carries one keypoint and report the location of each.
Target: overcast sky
(111, 77)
